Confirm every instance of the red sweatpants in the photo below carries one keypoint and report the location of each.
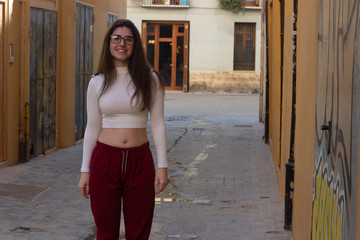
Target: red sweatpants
(126, 174)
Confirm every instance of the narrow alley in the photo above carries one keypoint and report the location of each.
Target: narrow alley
(222, 186)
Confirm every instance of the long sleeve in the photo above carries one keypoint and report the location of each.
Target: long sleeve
(94, 123)
(157, 123)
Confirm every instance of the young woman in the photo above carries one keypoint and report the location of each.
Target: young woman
(117, 164)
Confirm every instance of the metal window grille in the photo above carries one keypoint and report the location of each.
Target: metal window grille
(244, 46)
(165, 3)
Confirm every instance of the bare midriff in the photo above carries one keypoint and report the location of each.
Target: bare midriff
(123, 137)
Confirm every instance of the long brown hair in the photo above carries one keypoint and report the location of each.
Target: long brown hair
(138, 66)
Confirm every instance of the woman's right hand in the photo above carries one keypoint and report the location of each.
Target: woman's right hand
(84, 184)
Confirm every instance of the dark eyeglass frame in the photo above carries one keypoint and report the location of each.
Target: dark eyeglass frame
(116, 39)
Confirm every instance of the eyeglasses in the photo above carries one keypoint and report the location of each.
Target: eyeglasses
(116, 39)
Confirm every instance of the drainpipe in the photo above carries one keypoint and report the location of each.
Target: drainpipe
(266, 137)
(289, 181)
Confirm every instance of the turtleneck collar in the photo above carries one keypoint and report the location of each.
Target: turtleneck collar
(121, 70)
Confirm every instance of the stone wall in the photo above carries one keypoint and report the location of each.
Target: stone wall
(223, 81)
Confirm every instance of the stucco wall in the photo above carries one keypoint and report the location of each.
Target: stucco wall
(274, 86)
(326, 78)
(66, 69)
(287, 94)
(211, 41)
(12, 87)
(211, 31)
(305, 111)
(17, 74)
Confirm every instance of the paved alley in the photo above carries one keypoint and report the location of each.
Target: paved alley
(222, 180)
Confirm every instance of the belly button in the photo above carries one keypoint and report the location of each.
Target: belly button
(125, 141)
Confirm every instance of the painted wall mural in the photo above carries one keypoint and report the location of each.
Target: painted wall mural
(337, 120)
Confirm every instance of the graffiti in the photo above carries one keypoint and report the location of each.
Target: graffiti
(337, 120)
(328, 203)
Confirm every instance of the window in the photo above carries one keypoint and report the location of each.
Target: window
(251, 3)
(165, 3)
(244, 46)
(111, 18)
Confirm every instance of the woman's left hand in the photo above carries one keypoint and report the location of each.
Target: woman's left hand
(161, 180)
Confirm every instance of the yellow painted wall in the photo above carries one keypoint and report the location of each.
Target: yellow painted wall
(17, 77)
(12, 91)
(66, 61)
(66, 74)
(275, 87)
(307, 80)
(274, 80)
(287, 94)
(306, 84)
(103, 9)
(305, 104)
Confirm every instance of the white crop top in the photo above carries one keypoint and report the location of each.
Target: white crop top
(114, 110)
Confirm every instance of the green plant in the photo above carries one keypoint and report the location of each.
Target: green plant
(233, 5)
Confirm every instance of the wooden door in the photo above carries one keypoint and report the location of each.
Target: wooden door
(84, 64)
(166, 45)
(337, 121)
(244, 43)
(43, 49)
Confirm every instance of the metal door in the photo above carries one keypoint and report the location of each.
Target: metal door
(84, 64)
(43, 48)
(337, 121)
(166, 46)
(2, 86)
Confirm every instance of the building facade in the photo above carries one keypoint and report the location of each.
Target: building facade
(196, 45)
(49, 50)
(310, 107)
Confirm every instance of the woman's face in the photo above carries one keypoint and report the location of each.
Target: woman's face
(121, 46)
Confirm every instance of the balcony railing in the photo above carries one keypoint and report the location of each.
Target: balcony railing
(166, 3)
(251, 3)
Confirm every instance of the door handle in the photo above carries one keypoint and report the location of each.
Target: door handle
(171, 65)
(327, 127)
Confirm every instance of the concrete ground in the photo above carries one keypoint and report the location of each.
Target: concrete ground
(222, 180)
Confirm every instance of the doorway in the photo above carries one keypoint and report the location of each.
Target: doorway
(43, 49)
(167, 48)
(83, 65)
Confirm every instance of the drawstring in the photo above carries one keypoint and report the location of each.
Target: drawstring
(124, 161)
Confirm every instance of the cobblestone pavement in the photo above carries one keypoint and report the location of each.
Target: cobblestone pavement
(222, 180)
